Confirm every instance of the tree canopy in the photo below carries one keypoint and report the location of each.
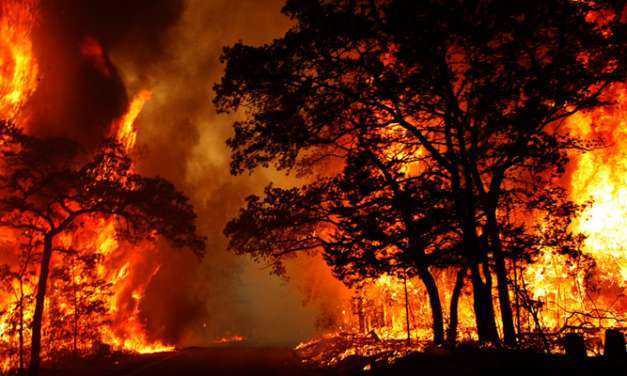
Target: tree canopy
(458, 96)
(50, 187)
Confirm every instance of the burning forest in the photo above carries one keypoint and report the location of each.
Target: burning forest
(362, 181)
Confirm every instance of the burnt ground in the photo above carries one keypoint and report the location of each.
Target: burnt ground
(279, 361)
(235, 360)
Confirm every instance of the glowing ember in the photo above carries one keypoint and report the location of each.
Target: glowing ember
(228, 340)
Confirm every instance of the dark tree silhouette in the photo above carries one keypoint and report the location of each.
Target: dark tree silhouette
(367, 221)
(48, 187)
(478, 87)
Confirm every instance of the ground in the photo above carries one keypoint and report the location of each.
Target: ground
(241, 360)
(280, 361)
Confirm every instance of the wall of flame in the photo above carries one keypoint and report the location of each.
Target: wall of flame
(148, 84)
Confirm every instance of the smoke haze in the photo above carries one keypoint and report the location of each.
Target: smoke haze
(94, 56)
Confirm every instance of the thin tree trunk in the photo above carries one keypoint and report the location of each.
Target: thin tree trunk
(436, 305)
(76, 317)
(534, 314)
(35, 359)
(407, 310)
(517, 298)
(451, 335)
(21, 330)
(507, 318)
(361, 315)
(75, 329)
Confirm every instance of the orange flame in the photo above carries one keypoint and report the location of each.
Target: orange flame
(18, 68)
(126, 133)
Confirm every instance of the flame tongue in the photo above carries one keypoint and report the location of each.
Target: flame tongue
(129, 268)
(18, 68)
(124, 128)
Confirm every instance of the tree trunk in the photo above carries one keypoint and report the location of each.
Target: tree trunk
(509, 333)
(482, 296)
(21, 330)
(436, 306)
(76, 313)
(451, 335)
(75, 328)
(35, 360)
(407, 310)
(483, 307)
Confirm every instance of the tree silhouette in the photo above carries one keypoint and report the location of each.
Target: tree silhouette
(366, 225)
(50, 188)
(16, 280)
(477, 88)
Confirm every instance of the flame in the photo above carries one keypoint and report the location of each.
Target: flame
(568, 295)
(228, 340)
(601, 176)
(18, 68)
(126, 133)
(123, 265)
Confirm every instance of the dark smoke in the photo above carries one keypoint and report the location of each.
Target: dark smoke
(172, 47)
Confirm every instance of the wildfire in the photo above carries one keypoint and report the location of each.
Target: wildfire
(18, 68)
(383, 309)
(601, 175)
(122, 263)
(568, 296)
(124, 128)
(126, 270)
(598, 176)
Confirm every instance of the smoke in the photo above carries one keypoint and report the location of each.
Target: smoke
(94, 56)
(77, 98)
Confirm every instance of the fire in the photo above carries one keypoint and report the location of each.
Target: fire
(124, 128)
(568, 296)
(18, 68)
(228, 340)
(125, 270)
(599, 177)
(122, 262)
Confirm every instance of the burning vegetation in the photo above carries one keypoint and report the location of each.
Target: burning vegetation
(463, 172)
(78, 226)
(463, 167)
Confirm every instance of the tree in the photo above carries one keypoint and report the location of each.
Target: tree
(366, 223)
(84, 296)
(50, 188)
(16, 279)
(478, 87)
